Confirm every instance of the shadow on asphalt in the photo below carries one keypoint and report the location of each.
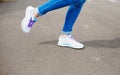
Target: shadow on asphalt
(51, 42)
(114, 43)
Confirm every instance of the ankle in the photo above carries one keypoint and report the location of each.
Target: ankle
(34, 14)
(64, 35)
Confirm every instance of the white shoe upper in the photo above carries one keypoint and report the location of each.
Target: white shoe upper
(25, 21)
(69, 41)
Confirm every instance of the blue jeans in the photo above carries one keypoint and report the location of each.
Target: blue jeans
(72, 14)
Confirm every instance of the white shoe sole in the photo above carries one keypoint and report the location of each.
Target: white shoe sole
(25, 21)
(68, 45)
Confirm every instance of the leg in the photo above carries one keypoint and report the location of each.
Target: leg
(51, 5)
(66, 39)
(72, 15)
(32, 14)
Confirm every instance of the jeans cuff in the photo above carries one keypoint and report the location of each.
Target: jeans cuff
(67, 33)
(39, 13)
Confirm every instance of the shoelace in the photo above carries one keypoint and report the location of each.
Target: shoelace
(70, 36)
(31, 22)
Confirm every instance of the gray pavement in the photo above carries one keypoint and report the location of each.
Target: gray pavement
(37, 53)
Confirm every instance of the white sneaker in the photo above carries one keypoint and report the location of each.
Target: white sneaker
(27, 22)
(68, 41)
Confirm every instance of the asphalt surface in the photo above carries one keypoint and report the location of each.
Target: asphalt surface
(37, 53)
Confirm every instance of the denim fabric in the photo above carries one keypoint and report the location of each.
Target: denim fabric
(72, 14)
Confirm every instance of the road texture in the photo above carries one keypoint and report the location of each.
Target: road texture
(37, 53)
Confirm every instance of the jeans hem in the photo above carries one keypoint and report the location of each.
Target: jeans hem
(68, 33)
